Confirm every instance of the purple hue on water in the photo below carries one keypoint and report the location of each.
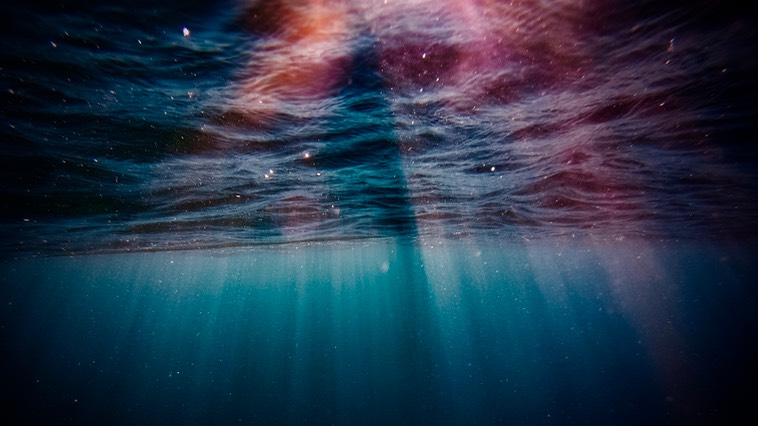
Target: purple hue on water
(270, 123)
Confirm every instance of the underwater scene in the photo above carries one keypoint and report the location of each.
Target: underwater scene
(420, 212)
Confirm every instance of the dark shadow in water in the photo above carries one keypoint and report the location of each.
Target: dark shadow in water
(362, 151)
(367, 183)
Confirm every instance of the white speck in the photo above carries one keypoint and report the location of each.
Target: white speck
(318, 173)
(139, 41)
(186, 31)
(492, 169)
(423, 55)
(53, 44)
(307, 155)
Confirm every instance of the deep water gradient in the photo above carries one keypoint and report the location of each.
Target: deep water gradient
(378, 212)
(383, 333)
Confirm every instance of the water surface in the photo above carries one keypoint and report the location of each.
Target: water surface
(278, 122)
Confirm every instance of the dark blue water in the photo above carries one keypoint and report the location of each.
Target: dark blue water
(414, 212)
(374, 333)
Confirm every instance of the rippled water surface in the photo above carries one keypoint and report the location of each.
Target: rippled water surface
(270, 122)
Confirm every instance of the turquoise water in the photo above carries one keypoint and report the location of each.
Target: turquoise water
(425, 332)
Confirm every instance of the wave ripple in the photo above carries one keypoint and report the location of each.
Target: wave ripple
(274, 122)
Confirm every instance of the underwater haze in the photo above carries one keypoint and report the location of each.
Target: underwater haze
(378, 212)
